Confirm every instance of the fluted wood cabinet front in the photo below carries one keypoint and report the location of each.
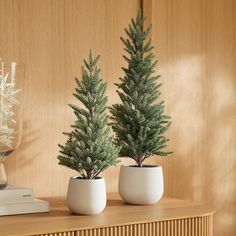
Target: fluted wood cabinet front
(169, 217)
(198, 226)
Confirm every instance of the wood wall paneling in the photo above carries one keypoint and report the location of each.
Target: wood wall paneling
(195, 44)
(51, 38)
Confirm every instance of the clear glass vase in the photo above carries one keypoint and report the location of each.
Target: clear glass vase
(11, 101)
(3, 177)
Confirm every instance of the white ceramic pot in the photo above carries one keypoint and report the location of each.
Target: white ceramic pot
(86, 196)
(141, 185)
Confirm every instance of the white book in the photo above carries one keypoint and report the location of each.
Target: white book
(35, 206)
(12, 194)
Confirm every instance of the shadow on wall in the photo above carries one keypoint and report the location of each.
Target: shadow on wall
(184, 99)
(203, 110)
(221, 149)
(18, 160)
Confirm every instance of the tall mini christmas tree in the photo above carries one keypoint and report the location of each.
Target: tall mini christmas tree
(139, 121)
(89, 148)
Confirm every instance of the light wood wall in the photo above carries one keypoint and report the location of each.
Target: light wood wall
(51, 37)
(196, 46)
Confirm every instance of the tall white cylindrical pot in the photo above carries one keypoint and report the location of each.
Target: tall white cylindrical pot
(86, 196)
(141, 185)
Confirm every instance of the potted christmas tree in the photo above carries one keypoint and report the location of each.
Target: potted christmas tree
(89, 148)
(139, 121)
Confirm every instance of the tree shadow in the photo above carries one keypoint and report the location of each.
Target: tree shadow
(21, 157)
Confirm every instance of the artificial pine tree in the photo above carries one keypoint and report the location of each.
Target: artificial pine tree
(89, 148)
(139, 121)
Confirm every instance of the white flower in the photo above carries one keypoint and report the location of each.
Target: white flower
(7, 102)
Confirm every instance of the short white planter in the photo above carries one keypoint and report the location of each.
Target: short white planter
(141, 185)
(86, 196)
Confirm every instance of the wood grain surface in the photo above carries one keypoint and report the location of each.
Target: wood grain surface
(153, 220)
(52, 37)
(196, 46)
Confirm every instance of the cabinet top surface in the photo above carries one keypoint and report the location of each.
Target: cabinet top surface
(116, 213)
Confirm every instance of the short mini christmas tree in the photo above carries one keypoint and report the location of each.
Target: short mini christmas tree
(89, 148)
(139, 121)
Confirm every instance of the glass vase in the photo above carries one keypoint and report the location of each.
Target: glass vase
(3, 177)
(11, 101)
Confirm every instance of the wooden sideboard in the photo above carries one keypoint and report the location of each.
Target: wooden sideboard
(169, 217)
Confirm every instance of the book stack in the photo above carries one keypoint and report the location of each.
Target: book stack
(17, 200)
